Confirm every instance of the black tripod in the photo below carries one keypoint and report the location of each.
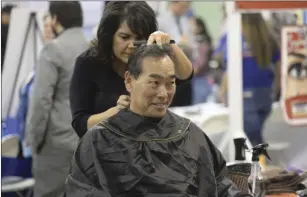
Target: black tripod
(32, 24)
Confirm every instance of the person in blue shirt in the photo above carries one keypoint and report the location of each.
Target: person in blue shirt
(260, 58)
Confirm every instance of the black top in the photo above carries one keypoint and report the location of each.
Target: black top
(128, 156)
(95, 88)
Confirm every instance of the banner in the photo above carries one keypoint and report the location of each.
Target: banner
(294, 74)
(270, 5)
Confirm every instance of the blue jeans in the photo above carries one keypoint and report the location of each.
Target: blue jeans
(201, 89)
(257, 104)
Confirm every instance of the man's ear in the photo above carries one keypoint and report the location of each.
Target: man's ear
(128, 81)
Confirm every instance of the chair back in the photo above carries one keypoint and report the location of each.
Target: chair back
(10, 146)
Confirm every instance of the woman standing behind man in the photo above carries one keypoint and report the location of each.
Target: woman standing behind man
(260, 56)
(97, 88)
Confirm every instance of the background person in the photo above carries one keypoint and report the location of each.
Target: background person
(260, 56)
(48, 127)
(202, 82)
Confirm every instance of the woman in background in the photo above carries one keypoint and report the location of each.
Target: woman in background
(201, 83)
(260, 55)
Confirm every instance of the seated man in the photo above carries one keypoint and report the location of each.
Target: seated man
(147, 150)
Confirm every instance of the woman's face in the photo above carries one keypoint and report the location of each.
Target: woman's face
(297, 75)
(123, 43)
(195, 27)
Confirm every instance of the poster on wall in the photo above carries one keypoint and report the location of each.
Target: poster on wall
(294, 74)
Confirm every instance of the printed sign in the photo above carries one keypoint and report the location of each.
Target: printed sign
(294, 74)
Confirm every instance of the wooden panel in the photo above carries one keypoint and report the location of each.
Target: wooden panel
(282, 195)
(270, 4)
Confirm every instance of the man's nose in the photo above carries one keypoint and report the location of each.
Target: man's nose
(162, 92)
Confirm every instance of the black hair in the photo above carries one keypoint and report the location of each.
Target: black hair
(204, 30)
(69, 13)
(136, 59)
(139, 16)
(7, 9)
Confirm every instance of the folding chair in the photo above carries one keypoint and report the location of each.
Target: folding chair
(10, 146)
(18, 185)
(13, 183)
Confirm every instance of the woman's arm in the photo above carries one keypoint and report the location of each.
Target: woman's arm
(41, 99)
(81, 94)
(96, 118)
(183, 66)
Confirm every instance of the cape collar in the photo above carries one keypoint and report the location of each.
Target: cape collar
(133, 126)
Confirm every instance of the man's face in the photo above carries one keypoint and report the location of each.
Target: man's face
(54, 23)
(153, 91)
(180, 8)
(48, 32)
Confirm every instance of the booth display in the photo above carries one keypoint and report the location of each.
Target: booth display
(301, 17)
(234, 10)
(24, 44)
(294, 74)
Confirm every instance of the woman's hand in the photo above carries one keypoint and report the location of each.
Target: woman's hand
(183, 65)
(159, 37)
(123, 102)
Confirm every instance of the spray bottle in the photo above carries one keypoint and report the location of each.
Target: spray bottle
(256, 177)
(240, 148)
(240, 169)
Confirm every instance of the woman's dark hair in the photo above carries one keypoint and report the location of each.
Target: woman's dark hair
(68, 13)
(204, 31)
(139, 16)
(206, 36)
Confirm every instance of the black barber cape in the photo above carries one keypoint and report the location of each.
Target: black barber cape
(133, 156)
